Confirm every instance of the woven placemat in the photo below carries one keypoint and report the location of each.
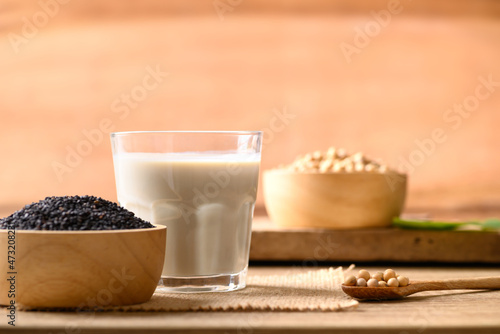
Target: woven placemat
(317, 290)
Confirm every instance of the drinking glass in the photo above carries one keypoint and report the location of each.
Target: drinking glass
(202, 186)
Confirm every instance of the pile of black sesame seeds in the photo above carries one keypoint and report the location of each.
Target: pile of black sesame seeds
(71, 213)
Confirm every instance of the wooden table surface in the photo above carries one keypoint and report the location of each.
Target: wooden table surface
(426, 312)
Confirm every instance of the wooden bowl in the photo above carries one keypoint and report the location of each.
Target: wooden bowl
(333, 200)
(81, 268)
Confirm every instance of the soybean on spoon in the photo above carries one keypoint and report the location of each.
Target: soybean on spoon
(367, 293)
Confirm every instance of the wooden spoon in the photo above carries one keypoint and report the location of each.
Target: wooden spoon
(366, 293)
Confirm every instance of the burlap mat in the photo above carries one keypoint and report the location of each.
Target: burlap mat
(317, 290)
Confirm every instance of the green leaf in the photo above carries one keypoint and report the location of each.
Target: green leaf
(491, 224)
(424, 224)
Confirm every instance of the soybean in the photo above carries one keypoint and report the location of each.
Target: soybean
(361, 282)
(372, 283)
(350, 280)
(388, 278)
(393, 283)
(379, 276)
(388, 274)
(403, 280)
(364, 274)
(336, 160)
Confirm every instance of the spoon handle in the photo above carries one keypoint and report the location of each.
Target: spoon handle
(458, 284)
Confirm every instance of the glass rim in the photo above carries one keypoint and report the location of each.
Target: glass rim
(120, 133)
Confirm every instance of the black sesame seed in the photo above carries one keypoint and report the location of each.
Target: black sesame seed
(72, 213)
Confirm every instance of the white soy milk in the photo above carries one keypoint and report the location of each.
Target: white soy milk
(205, 200)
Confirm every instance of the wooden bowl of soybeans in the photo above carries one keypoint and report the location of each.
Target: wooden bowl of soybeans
(334, 190)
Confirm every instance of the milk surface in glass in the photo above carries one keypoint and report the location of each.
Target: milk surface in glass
(206, 201)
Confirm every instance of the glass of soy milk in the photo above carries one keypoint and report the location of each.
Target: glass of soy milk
(202, 186)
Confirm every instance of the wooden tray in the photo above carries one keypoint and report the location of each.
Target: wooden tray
(271, 243)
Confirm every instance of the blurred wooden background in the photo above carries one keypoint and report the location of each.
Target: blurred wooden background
(67, 67)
